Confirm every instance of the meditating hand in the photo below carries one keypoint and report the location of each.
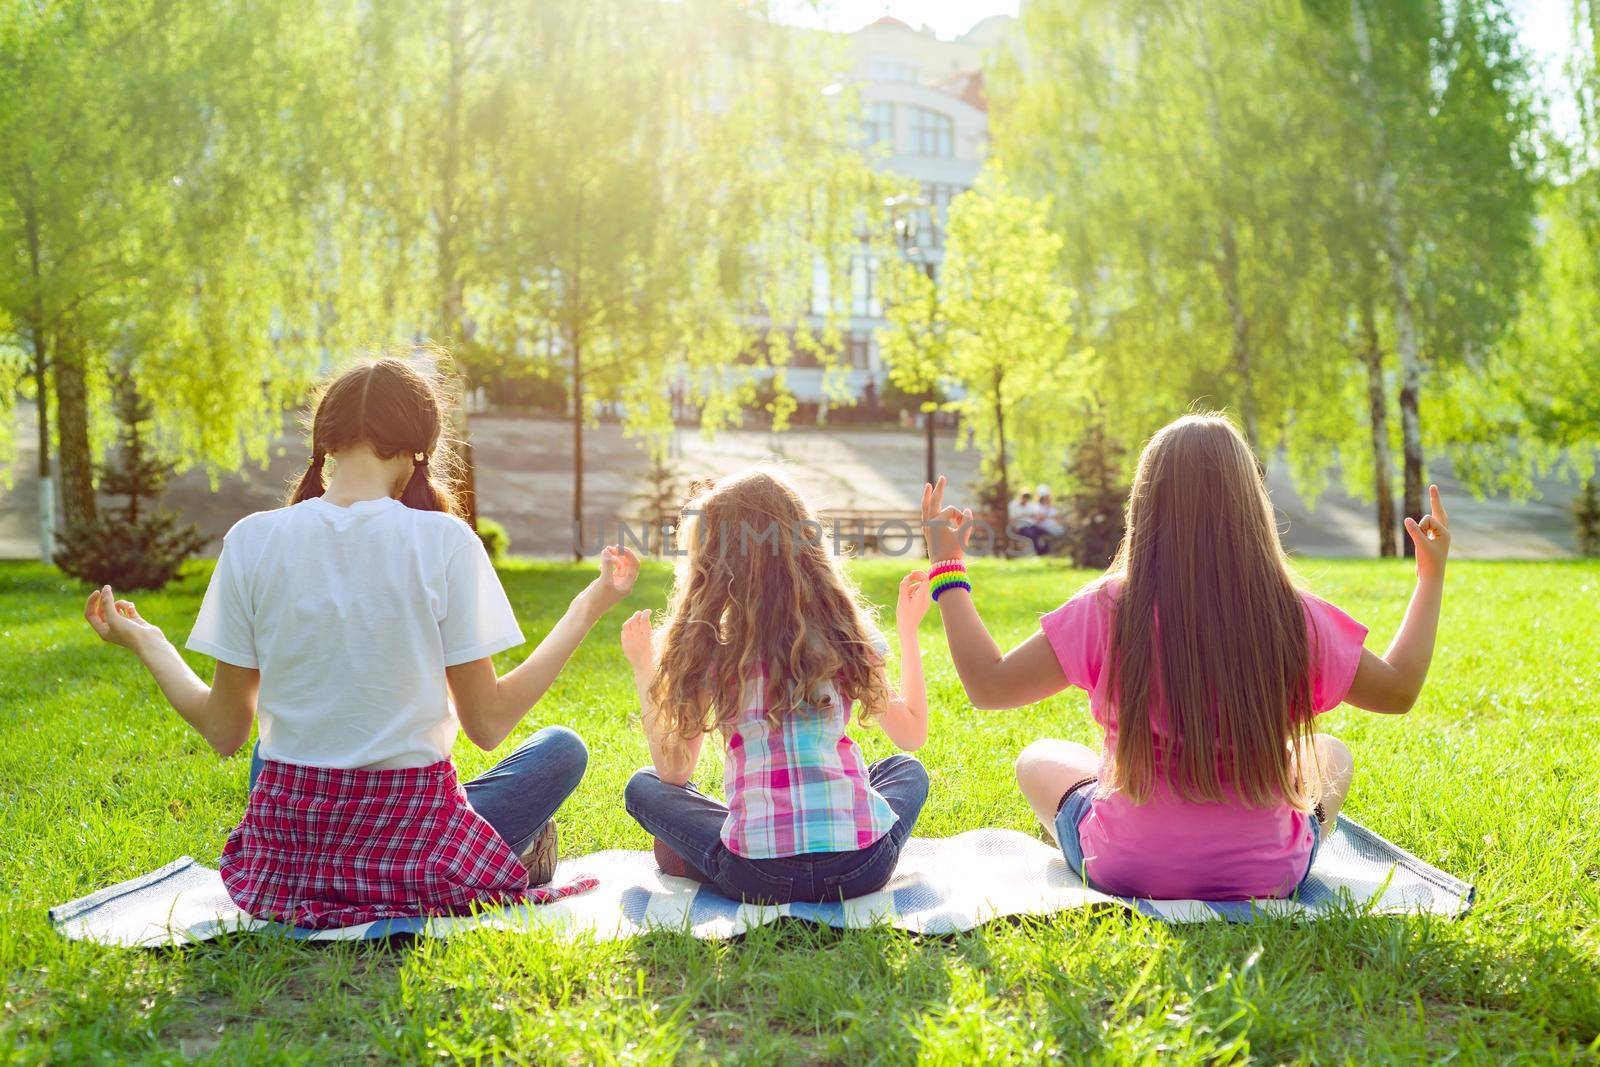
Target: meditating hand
(1432, 537)
(619, 569)
(637, 643)
(913, 602)
(945, 529)
(118, 621)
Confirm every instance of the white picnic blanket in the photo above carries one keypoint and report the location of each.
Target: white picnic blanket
(942, 886)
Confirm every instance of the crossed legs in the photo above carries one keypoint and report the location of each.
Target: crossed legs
(1047, 768)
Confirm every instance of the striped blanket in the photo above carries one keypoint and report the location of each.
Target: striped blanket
(942, 886)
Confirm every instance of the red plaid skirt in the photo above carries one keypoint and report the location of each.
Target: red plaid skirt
(324, 848)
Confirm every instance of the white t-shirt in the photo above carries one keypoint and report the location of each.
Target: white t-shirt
(352, 614)
(1026, 514)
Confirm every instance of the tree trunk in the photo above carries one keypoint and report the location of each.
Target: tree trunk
(577, 446)
(1002, 538)
(72, 419)
(47, 495)
(41, 381)
(1411, 437)
(575, 342)
(930, 418)
(452, 288)
(1406, 346)
(1378, 416)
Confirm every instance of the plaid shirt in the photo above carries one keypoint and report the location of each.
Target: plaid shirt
(323, 848)
(799, 787)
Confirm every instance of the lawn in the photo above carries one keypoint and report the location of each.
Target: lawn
(1494, 776)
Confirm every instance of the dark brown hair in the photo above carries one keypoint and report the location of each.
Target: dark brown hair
(1209, 623)
(394, 408)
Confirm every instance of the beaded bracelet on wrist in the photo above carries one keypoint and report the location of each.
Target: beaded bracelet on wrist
(948, 575)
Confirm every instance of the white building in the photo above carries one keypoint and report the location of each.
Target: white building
(924, 115)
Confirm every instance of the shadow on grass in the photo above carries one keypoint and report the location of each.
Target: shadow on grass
(1341, 987)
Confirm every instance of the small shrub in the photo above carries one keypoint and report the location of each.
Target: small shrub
(1586, 516)
(136, 546)
(662, 499)
(1098, 498)
(496, 541)
(993, 495)
(895, 400)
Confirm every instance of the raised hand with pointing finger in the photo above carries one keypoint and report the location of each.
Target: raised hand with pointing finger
(946, 528)
(1431, 536)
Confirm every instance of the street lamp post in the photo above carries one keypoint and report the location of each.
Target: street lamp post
(903, 210)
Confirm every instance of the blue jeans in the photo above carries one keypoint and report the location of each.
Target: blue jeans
(521, 793)
(691, 823)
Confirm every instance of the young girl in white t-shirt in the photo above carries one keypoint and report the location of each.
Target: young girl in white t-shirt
(351, 620)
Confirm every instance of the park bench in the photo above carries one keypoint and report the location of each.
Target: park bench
(871, 528)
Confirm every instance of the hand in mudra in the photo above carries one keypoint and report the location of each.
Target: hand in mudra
(946, 529)
(117, 621)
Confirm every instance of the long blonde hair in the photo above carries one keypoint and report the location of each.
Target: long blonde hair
(755, 592)
(1207, 621)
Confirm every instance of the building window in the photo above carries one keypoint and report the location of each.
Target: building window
(935, 218)
(820, 287)
(858, 349)
(803, 358)
(932, 134)
(887, 69)
(863, 287)
(877, 124)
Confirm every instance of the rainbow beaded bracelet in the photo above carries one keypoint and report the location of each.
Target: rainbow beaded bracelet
(947, 575)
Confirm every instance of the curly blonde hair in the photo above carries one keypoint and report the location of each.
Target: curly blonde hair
(757, 590)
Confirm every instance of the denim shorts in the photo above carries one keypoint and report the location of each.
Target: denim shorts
(1070, 812)
(1075, 804)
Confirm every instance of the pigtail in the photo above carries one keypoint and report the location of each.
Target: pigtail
(311, 482)
(426, 493)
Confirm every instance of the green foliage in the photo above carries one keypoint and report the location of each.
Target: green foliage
(512, 381)
(600, 191)
(594, 192)
(1535, 403)
(1492, 775)
(895, 398)
(136, 546)
(997, 326)
(496, 541)
(1178, 142)
(153, 199)
(1287, 210)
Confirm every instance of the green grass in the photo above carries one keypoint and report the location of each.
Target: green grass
(1495, 776)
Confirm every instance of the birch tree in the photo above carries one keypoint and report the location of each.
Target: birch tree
(1172, 137)
(678, 173)
(1442, 93)
(143, 186)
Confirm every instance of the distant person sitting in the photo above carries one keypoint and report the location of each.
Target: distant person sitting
(1026, 517)
(1049, 518)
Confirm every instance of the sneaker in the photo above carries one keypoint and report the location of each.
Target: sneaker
(541, 854)
(671, 863)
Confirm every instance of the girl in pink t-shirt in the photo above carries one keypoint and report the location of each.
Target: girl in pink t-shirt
(1205, 667)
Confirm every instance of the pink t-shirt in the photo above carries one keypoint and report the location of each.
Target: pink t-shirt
(1170, 848)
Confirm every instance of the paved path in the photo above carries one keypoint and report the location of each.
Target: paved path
(524, 482)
